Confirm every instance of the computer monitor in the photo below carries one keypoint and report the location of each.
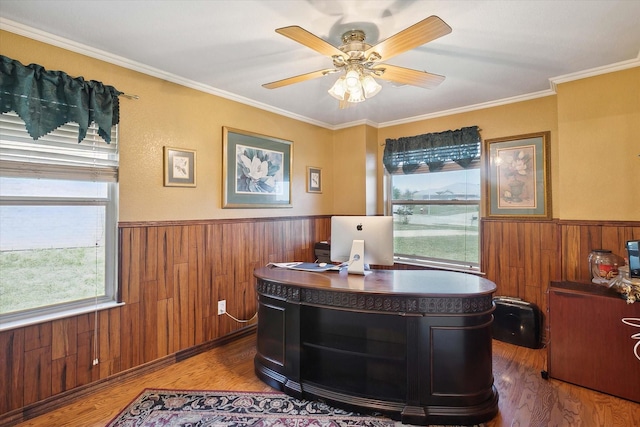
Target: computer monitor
(362, 240)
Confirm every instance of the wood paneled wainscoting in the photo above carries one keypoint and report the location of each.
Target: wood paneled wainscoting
(171, 275)
(522, 257)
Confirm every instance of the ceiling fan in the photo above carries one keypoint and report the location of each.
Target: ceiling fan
(361, 61)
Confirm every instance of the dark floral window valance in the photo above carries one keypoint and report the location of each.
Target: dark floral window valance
(461, 146)
(46, 100)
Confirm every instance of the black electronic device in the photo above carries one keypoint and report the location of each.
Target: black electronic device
(517, 322)
(634, 258)
(323, 252)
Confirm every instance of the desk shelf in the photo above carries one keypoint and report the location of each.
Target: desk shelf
(375, 350)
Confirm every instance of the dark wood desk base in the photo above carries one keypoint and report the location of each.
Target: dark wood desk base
(374, 344)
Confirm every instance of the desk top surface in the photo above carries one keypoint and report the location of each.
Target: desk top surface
(398, 282)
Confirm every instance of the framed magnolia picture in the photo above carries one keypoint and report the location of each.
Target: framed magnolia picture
(256, 170)
(179, 167)
(517, 179)
(314, 179)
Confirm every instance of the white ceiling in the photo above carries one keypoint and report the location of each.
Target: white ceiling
(497, 50)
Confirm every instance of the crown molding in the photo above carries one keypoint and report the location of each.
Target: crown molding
(553, 83)
(618, 66)
(48, 38)
(468, 108)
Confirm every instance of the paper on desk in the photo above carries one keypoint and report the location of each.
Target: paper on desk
(307, 266)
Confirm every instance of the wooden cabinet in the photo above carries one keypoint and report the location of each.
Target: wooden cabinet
(415, 345)
(593, 340)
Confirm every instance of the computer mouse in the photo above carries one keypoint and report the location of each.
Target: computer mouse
(322, 264)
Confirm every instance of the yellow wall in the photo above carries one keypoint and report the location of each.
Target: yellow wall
(349, 163)
(595, 148)
(599, 127)
(506, 120)
(168, 114)
(357, 165)
(372, 165)
(593, 124)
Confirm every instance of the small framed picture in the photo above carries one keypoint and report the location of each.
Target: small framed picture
(179, 167)
(314, 179)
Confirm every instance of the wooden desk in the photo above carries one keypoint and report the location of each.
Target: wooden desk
(413, 344)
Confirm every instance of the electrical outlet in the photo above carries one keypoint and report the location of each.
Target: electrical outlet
(222, 306)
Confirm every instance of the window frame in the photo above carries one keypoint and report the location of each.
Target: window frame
(445, 264)
(108, 174)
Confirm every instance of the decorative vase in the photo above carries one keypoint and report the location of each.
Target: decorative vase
(515, 187)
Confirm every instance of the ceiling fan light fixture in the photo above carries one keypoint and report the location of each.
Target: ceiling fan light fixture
(356, 95)
(359, 60)
(339, 89)
(352, 79)
(370, 86)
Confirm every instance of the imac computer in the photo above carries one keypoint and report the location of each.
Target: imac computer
(362, 240)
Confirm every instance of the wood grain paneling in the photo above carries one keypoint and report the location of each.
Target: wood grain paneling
(86, 372)
(171, 276)
(173, 273)
(165, 263)
(523, 257)
(578, 239)
(12, 369)
(66, 333)
(37, 374)
(63, 374)
(129, 257)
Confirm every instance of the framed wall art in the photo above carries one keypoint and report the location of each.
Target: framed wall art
(314, 179)
(517, 181)
(256, 170)
(179, 167)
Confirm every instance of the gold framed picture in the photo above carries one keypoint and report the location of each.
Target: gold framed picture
(179, 167)
(517, 176)
(256, 170)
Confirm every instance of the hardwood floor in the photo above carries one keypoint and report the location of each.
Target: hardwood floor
(526, 399)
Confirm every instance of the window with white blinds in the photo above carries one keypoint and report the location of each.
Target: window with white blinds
(58, 216)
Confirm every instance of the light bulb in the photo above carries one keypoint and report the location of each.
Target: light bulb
(355, 95)
(352, 79)
(370, 86)
(338, 90)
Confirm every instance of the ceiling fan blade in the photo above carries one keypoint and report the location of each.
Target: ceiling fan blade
(416, 35)
(408, 76)
(310, 40)
(299, 78)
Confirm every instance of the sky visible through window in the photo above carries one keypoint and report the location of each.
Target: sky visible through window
(45, 227)
(439, 181)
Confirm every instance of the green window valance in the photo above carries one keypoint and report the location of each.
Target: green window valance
(46, 100)
(461, 146)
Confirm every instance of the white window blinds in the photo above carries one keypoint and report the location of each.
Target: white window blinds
(57, 154)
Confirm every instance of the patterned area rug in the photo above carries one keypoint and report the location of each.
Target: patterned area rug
(172, 408)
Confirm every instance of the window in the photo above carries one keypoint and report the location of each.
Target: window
(58, 216)
(436, 216)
